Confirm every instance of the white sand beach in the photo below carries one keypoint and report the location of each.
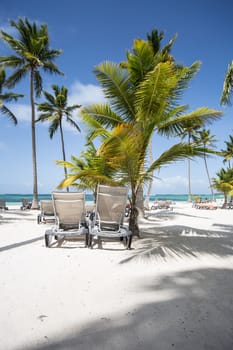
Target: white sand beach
(173, 290)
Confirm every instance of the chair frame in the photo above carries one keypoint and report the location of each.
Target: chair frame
(71, 224)
(47, 212)
(25, 204)
(3, 205)
(101, 224)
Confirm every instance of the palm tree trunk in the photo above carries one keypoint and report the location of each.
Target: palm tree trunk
(133, 217)
(35, 203)
(208, 175)
(189, 175)
(147, 200)
(63, 152)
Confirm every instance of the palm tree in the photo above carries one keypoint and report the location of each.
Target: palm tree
(32, 54)
(162, 54)
(142, 100)
(204, 138)
(228, 152)
(10, 96)
(224, 183)
(190, 130)
(88, 170)
(54, 110)
(227, 86)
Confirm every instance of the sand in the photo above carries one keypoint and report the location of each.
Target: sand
(173, 290)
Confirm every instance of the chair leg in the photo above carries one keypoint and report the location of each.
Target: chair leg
(47, 239)
(90, 241)
(39, 219)
(86, 240)
(129, 242)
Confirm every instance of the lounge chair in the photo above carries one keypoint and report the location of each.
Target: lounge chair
(47, 212)
(3, 204)
(70, 220)
(107, 219)
(26, 204)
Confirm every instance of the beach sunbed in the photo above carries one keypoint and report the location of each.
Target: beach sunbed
(25, 204)
(47, 212)
(3, 204)
(207, 205)
(107, 219)
(70, 218)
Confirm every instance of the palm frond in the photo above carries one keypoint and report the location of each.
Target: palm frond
(116, 86)
(227, 86)
(102, 114)
(4, 110)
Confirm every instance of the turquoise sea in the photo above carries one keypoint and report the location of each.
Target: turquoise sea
(16, 199)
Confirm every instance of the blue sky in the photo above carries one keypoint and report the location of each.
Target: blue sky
(90, 32)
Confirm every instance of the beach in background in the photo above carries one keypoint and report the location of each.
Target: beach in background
(15, 200)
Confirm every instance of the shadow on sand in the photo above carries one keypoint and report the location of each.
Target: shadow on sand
(188, 310)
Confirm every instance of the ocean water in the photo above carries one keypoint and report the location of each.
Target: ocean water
(16, 199)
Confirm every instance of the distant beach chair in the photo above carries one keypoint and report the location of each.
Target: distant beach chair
(161, 204)
(107, 219)
(3, 205)
(70, 220)
(47, 212)
(25, 204)
(207, 205)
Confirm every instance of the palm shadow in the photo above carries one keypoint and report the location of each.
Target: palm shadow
(186, 310)
(178, 241)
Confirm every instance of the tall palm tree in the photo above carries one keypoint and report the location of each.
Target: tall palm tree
(54, 110)
(10, 96)
(32, 54)
(227, 86)
(206, 139)
(190, 130)
(162, 54)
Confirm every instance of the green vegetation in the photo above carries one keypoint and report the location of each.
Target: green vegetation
(32, 54)
(54, 110)
(143, 95)
(224, 182)
(7, 96)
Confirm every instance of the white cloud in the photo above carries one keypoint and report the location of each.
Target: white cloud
(79, 93)
(170, 183)
(21, 111)
(85, 94)
(179, 184)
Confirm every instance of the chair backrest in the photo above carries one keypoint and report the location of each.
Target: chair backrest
(69, 208)
(110, 205)
(46, 207)
(2, 203)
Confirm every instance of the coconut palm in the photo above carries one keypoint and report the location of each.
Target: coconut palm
(142, 100)
(162, 54)
(224, 183)
(206, 139)
(190, 130)
(227, 86)
(10, 96)
(86, 171)
(139, 116)
(54, 110)
(32, 54)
